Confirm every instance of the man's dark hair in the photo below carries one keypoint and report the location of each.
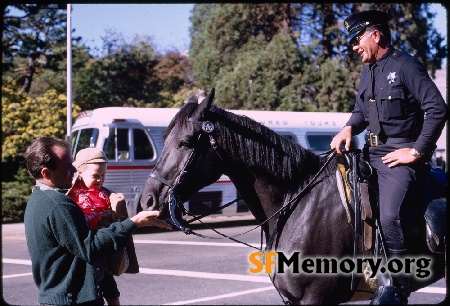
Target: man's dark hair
(39, 154)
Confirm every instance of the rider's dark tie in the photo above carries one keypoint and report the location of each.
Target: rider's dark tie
(374, 123)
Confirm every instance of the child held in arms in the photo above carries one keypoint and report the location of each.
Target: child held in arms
(101, 207)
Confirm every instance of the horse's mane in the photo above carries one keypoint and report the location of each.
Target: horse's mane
(261, 148)
(255, 145)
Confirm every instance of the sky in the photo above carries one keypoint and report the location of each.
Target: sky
(167, 24)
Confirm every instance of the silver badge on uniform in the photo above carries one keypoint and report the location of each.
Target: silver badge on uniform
(391, 77)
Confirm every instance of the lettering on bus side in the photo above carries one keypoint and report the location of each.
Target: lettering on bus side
(275, 122)
(320, 123)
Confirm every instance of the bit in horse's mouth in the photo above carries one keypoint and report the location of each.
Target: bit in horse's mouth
(164, 211)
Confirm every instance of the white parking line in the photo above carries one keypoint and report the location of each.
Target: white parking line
(17, 275)
(207, 275)
(432, 290)
(222, 296)
(17, 261)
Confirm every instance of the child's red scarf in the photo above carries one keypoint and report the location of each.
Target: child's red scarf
(92, 202)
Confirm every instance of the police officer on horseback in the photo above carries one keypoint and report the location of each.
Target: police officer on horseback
(405, 114)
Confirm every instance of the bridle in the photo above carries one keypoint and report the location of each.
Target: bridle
(207, 127)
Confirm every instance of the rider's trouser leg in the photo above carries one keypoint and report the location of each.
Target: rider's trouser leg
(398, 210)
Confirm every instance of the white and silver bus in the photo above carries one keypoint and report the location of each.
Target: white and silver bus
(132, 139)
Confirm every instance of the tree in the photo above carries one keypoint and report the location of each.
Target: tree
(247, 51)
(121, 76)
(132, 74)
(34, 38)
(413, 32)
(25, 118)
(240, 49)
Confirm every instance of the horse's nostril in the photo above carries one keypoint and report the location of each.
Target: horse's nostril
(146, 203)
(150, 202)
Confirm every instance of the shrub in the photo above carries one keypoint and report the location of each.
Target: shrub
(15, 196)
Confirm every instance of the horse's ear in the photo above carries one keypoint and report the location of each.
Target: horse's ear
(192, 99)
(204, 106)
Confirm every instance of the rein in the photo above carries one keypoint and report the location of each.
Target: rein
(208, 128)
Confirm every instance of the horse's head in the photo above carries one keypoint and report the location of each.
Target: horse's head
(188, 161)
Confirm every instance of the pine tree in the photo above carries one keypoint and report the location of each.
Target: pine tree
(34, 38)
(295, 56)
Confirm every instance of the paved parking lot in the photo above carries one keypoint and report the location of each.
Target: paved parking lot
(175, 269)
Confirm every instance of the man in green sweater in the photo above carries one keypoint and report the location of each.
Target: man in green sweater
(64, 252)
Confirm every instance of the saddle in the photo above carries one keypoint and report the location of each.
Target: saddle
(346, 184)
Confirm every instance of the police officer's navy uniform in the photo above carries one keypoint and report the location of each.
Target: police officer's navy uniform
(411, 114)
(406, 122)
(410, 106)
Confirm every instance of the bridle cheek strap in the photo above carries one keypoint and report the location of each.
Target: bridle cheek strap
(207, 128)
(173, 204)
(160, 179)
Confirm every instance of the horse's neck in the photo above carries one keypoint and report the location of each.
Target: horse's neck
(255, 160)
(262, 197)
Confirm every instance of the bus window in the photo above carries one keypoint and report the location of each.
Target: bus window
(82, 139)
(117, 145)
(110, 145)
(123, 147)
(74, 140)
(321, 142)
(142, 146)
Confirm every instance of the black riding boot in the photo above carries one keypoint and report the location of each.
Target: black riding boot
(393, 289)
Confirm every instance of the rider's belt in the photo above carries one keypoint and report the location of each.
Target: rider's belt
(373, 140)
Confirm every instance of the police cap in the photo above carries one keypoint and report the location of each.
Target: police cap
(359, 21)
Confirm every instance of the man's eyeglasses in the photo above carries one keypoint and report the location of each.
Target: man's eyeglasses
(358, 39)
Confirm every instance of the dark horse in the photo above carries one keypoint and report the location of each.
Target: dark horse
(203, 142)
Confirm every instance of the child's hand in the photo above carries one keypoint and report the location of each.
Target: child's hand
(108, 217)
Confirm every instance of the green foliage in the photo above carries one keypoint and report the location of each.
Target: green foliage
(15, 196)
(258, 74)
(413, 32)
(57, 78)
(25, 118)
(290, 56)
(33, 39)
(131, 74)
(247, 51)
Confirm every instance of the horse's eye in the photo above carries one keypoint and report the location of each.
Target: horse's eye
(183, 143)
